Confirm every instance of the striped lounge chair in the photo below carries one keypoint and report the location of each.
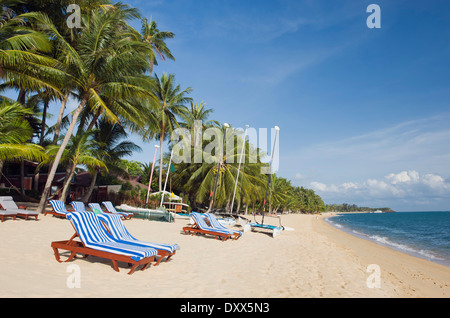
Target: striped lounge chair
(78, 206)
(118, 231)
(11, 209)
(111, 209)
(58, 209)
(200, 227)
(96, 241)
(217, 225)
(95, 206)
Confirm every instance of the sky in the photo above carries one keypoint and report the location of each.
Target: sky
(363, 112)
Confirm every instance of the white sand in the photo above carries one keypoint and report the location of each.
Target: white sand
(314, 260)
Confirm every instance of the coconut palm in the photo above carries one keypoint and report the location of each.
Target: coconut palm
(156, 38)
(111, 144)
(15, 133)
(107, 60)
(82, 149)
(166, 111)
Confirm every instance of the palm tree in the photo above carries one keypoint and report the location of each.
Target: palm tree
(106, 61)
(152, 35)
(197, 179)
(82, 149)
(109, 137)
(169, 106)
(15, 133)
(22, 63)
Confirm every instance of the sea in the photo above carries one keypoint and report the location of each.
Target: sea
(421, 234)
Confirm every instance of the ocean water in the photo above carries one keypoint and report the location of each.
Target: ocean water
(421, 234)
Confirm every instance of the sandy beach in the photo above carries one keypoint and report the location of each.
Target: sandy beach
(314, 260)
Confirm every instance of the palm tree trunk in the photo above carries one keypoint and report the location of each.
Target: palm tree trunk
(44, 116)
(59, 120)
(66, 187)
(91, 187)
(58, 156)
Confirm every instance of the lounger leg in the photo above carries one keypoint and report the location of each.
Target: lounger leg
(132, 269)
(116, 267)
(56, 252)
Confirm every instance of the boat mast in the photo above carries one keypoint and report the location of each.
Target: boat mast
(270, 172)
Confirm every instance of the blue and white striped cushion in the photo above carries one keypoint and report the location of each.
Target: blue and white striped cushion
(120, 232)
(94, 236)
(198, 218)
(78, 206)
(216, 224)
(58, 206)
(110, 207)
(95, 206)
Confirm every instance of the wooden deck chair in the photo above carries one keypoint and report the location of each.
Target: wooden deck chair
(217, 225)
(200, 227)
(117, 229)
(4, 214)
(111, 209)
(96, 241)
(58, 209)
(8, 204)
(78, 206)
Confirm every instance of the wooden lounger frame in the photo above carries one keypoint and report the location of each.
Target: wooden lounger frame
(3, 216)
(218, 235)
(76, 247)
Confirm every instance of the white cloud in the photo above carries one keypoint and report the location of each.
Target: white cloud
(404, 177)
(405, 186)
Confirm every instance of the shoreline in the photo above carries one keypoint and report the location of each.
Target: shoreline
(314, 260)
(414, 276)
(349, 231)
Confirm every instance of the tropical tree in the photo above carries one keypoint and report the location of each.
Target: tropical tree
(82, 149)
(106, 61)
(15, 132)
(111, 149)
(166, 111)
(156, 38)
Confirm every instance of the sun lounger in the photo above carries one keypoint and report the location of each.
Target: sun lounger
(200, 227)
(96, 241)
(4, 214)
(111, 209)
(78, 206)
(216, 224)
(118, 231)
(58, 209)
(95, 207)
(9, 205)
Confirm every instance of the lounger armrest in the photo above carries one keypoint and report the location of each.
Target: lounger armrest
(1, 207)
(23, 207)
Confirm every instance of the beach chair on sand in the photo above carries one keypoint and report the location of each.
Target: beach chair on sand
(111, 209)
(96, 241)
(58, 209)
(217, 225)
(95, 207)
(200, 227)
(78, 206)
(11, 208)
(116, 228)
(4, 214)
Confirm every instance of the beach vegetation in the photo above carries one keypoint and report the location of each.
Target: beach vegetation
(105, 70)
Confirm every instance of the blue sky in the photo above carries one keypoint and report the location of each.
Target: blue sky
(364, 113)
